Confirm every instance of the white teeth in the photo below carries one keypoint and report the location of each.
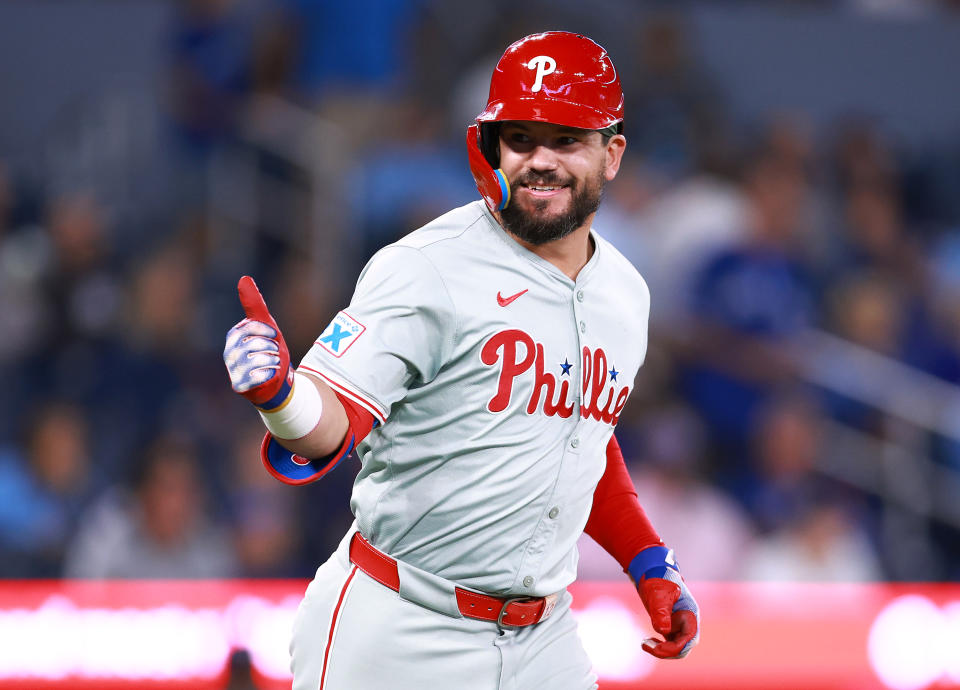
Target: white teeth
(544, 189)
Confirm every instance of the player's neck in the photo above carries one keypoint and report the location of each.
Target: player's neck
(570, 254)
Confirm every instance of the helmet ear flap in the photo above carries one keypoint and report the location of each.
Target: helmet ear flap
(490, 143)
(491, 182)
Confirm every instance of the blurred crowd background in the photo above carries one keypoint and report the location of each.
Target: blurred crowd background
(791, 192)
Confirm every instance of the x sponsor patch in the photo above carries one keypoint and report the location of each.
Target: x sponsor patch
(340, 334)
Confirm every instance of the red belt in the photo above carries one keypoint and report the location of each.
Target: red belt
(512, 612)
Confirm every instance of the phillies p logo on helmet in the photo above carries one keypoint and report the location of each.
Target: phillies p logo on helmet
(544, 64)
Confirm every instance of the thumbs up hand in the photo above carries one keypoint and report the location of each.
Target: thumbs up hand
(255, 353)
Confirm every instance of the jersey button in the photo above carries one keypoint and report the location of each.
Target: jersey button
(583, 327)
(579, 295)
(527, 581)
(554, 512)
(574, 443)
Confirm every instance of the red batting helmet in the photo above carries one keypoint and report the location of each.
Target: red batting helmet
(557, 77)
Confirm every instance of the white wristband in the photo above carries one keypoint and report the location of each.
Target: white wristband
(299, 415)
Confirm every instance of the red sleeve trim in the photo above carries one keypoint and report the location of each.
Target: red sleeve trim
(617, 521)
(342, 391)
(360, 420)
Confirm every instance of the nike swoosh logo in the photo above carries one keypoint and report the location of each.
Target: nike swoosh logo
(504, 301)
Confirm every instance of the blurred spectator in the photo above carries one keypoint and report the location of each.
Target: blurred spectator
(623, 219)
(674, 115)
(43, 491)
(877, 243)
(80, 299)
(680, 228)
(211, 68)
(822, 544)
(748, 301)
(350, 61)
(163, 303)
(81, 285)
(160, 528)
(352, 47)
(6, 198)
(868, 311)
(812, 532)
(874, 237)
(263, 512)
(25, 257)
(946, 291)
(931, 178)
(155, 364)
(707, 214)
(860, 157)
(787, 438)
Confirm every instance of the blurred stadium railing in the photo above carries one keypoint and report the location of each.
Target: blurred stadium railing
(283, 178)
(897, 468)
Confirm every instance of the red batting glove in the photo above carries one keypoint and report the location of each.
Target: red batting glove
(256, 354)
(673, 611)
(677, 627)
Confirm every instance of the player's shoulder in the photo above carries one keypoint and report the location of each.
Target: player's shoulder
(618, 267)
(445, 230)
(433, 249)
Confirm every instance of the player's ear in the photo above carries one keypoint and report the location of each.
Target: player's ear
(613, 155)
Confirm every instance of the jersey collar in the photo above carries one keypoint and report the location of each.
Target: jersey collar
(542, 263)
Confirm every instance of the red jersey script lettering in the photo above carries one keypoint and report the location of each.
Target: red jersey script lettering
(517, 353)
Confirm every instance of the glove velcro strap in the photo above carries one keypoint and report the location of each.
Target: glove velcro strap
(653, 561)
(281, 397)
(290, 468)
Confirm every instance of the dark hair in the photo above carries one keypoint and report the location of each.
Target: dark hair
(610, 131)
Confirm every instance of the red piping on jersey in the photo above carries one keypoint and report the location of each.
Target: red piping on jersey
(333, 625)
(373, 407)
(617, 521)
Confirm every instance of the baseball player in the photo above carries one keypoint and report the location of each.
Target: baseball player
(479, 372)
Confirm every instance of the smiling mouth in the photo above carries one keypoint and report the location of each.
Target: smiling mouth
(544, 190)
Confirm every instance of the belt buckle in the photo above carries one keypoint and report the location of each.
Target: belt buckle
(503, 611)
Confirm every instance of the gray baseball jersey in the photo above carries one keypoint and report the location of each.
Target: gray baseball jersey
(497, 381)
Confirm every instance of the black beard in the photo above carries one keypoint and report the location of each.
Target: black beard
(536, 230)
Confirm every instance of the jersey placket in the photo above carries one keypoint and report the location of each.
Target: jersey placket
(555, 517)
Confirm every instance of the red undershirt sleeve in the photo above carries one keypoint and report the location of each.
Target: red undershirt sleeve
(361, 421)
(617, 521)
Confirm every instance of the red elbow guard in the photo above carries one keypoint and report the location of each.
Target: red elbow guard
(291, 468)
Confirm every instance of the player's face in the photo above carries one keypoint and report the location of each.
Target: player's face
(556, 176)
